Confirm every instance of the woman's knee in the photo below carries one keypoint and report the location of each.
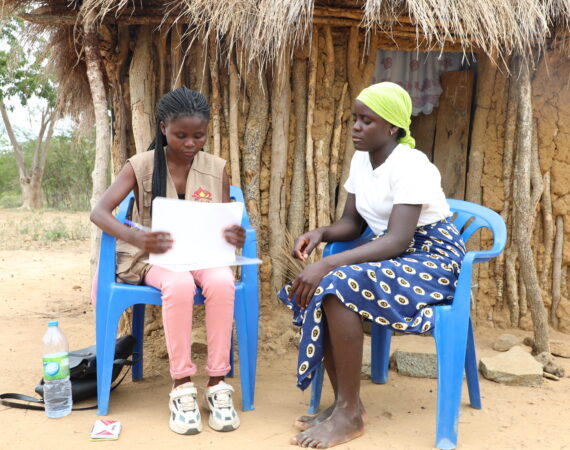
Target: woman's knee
(218, 282)
(179, 285)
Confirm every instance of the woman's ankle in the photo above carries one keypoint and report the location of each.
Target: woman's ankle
(180, 381)
(215, 380)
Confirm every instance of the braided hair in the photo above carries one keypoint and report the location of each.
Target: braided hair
(178, 103)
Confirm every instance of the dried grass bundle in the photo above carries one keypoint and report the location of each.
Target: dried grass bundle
(286, 263)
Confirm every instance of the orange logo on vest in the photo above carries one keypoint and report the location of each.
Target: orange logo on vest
(202, 196)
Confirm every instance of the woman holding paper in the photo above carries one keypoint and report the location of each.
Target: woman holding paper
(175, 167)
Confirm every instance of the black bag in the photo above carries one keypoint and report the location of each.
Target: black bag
(82, 374)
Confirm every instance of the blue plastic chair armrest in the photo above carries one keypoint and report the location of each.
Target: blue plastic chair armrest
(338, 247)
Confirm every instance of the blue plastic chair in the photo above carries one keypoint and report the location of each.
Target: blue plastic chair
(114, 298)
(453, 330)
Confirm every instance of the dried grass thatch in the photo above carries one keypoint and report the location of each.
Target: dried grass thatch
(264, 27)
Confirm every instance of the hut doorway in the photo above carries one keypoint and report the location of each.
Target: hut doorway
(441, 86)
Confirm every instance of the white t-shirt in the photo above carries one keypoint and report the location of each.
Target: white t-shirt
(406, 177)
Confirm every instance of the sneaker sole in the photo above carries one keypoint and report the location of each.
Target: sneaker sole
(186, 431)
(229, 427)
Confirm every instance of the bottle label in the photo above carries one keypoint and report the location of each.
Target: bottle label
(56, 367)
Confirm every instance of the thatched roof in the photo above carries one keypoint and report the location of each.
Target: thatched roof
(264, 27)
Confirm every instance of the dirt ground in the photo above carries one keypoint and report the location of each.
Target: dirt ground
(46, 277)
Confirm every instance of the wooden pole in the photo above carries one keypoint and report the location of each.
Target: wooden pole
(254, 138)
(102, 128)
(216, 101)
(322, 153)
(310, 117)
(557, 270)
(335, 148)
(359, 72)
(234, 122)
(522, 212)
(485, 84)
(548, 231)
(280, 109)
(141, 84)
(296, 217)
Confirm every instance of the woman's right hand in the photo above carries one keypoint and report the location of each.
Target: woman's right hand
(306, 243)
(153, 241)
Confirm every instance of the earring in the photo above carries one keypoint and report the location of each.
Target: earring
(391, 132)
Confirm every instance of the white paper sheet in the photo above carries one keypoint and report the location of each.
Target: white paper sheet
(197, 230)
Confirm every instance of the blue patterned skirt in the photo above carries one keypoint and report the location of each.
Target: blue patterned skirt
(396, 293)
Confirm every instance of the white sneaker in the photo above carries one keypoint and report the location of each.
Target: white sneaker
(184, 412)
(223, 416)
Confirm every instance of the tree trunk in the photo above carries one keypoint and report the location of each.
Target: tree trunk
(233, 121)
(103, 139)
(485, 84)
(506, 261)
(142, 84)
(523, 213)
(215, 101)
(31, 181)
(548, 227)
(280, 108)
(254, 138)
(309, 141)
(296, 217)
(335, 149)
(322, 149)
(359, 70)
(115, 65)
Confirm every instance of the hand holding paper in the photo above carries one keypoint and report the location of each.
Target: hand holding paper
(198, 233)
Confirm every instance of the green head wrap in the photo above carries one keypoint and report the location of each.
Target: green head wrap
(393, 104)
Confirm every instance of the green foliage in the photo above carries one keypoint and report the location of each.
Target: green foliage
(22, 73)
(67, 178)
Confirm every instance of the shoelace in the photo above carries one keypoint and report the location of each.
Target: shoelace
(223, 399)
(187, 403)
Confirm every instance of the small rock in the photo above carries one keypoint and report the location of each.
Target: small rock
(514, 367)
(549, 376)
(76, 287)
(505, 342)
(549, 365)
(560, 348)
(415, 364)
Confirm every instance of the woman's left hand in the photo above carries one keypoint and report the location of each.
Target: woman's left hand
(235, 235)
(307, 282)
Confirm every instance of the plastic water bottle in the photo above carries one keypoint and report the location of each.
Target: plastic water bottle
(57, 387)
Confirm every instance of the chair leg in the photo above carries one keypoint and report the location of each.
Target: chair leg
(450, 344)
(105, 358)
(251, 302)
(317, 389)
(471, 370)
(380, 353)
(247, 393)
(138, 333)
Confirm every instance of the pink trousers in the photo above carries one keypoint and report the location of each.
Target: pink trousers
(178, 289)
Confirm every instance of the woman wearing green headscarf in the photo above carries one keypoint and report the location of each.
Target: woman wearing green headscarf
(410, 263)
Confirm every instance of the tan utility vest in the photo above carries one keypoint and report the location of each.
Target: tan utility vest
(204, 184)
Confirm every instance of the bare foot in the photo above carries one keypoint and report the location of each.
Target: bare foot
(342, 426)
(305, 422)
